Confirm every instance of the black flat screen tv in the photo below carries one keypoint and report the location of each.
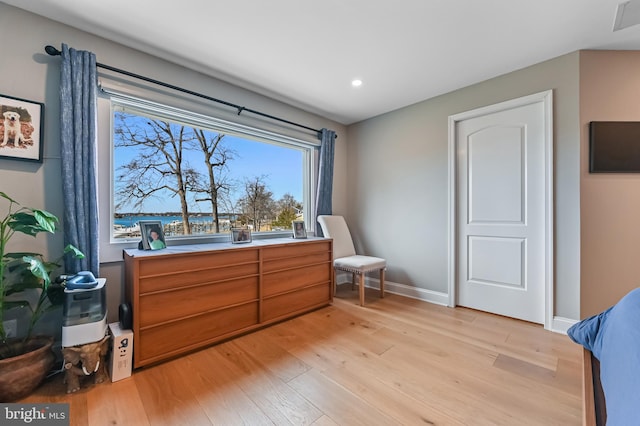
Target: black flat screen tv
(614, 147)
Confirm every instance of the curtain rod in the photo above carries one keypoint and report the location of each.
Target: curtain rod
(52, 51)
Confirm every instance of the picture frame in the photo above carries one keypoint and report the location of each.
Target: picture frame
(152, 235)
(240, 235)
(298, 229)
(21, 129)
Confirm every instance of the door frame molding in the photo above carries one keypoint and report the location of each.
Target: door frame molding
(546, 98)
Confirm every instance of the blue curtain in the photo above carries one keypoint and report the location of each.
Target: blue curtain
(325, 175)
(78, 145)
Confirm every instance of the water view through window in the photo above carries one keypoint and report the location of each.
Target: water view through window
(202, 181)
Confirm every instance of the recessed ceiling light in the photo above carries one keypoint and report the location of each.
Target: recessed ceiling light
(356, 83)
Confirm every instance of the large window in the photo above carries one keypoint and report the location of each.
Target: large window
(200, 176)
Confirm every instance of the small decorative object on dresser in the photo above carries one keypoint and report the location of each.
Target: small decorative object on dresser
(298, 229)
(152, 236)
(21, 124)
(240, 235)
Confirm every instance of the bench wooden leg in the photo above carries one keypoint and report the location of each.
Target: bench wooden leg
(361, 289)
(382, 282)
(335, 283)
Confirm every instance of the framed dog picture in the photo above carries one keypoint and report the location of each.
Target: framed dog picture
(240, 235)
(21, 127)
(298, 229)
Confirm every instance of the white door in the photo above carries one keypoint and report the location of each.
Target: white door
(502, 205)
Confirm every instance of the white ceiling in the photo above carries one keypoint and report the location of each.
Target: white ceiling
(306, 52)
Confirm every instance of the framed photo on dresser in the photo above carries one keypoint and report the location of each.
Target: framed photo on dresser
(152, 235)
(240, 235)
(298, 229)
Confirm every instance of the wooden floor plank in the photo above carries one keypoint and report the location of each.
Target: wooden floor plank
(116, 403)
(276, 398)
(440, 392)
(324, 421)
(495, 339)
(54, 390)
(274, 357)
(402, 407)
(167, 395)
(215, 382)
(394, 361)
(339, 403)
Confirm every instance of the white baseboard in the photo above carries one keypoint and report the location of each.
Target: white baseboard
(403, 290)
(559, 325)
(415, 292)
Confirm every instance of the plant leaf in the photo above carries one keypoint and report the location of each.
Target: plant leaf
(46, 220)
(6, 197)
(38, 268)
(70, 248)
(25, 223)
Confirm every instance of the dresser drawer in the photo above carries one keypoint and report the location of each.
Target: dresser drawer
(203, 276)
(164, 306)
(162, 341)
(291, 279)
(277, 307)
(295, 250)
(194, 261)
(298, 261)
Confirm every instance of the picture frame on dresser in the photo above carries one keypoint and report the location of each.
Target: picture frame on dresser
(240, 235)
(298, 229)
(152, 235)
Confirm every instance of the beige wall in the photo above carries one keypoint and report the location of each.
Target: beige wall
(29, 73)
(399, 182)
(610, 203)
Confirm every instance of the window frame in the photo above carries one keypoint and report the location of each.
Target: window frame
(111, 248)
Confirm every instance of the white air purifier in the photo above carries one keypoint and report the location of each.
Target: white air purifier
(85, 314)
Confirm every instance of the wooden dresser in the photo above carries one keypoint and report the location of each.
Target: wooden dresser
(187, 297)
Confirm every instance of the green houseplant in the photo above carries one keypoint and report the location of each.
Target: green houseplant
(20, 274)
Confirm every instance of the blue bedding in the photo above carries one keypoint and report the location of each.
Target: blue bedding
(613, 336)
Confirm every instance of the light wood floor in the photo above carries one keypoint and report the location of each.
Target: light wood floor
(395, 361)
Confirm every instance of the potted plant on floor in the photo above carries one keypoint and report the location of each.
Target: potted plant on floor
(25, 361)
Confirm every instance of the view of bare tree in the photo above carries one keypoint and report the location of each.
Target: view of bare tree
(159, 159)
(159, 164)
(257, 204)
(216, 157)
